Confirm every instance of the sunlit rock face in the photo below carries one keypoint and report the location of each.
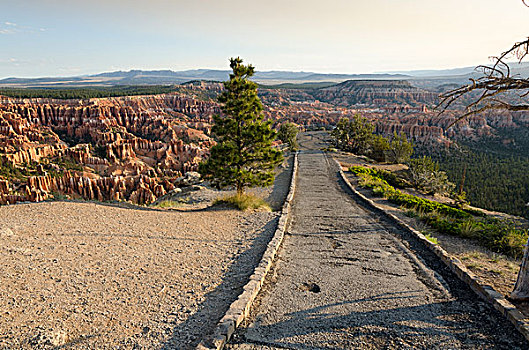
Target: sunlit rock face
(375, 93)
(128, 148)
(392, 105)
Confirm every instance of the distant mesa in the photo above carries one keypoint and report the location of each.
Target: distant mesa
(160, 77)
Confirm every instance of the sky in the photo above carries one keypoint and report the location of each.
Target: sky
(74, 37)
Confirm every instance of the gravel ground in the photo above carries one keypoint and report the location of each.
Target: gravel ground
(81, 275)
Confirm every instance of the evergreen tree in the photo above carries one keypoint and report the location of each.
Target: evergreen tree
(379, 145)
(340, 134)
(353, 135)
(360, 133)
(400, 149)
(287, 134)
(243, 156)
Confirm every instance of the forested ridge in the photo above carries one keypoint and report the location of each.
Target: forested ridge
(495, 170)
(88, 92)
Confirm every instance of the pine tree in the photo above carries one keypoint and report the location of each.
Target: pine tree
(400, 149)
(243, 156)
(287, 134)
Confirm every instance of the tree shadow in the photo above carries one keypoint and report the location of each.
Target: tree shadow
(191, 331)
(440, 325)
(281, 186)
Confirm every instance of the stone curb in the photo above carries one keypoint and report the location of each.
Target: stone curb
(240, 308)
(485, 291)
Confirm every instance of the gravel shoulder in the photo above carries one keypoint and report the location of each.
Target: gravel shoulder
(85, 275)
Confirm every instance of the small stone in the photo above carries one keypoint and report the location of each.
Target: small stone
(310, 287)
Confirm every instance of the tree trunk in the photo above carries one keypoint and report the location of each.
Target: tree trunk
(240, 189)
(521, 289)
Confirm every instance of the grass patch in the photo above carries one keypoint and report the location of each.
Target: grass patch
(431, 238)
(243, 202)
(385, 175)
(167, 204)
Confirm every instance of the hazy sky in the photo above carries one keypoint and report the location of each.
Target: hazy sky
(72, 37)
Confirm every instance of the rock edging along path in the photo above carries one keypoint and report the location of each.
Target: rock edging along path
(347, 278)
(240, 308)
(485, 291)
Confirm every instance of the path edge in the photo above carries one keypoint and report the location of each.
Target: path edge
(240, 308)
(485, 291)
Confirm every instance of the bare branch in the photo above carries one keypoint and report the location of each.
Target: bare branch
(496, 80)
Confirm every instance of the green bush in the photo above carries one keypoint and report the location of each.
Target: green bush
(385, 175)
(379, 145)
(379, 186)
(426, 205)
(287, 134)
(399, 149)
(501, 237)
(425, 175)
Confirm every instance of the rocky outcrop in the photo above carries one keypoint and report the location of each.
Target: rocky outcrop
(127, 148)
(375, 93)
(137, 189)
(393, 105)
(139, 148)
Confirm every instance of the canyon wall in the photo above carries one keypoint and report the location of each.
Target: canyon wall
(128, 148)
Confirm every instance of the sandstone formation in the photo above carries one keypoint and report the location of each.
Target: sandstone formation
(128, 148)
(393, 105)
(375, 93)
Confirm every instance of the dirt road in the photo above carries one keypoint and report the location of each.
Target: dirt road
(345, 279)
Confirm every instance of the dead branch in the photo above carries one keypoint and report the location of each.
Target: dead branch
(496, 80)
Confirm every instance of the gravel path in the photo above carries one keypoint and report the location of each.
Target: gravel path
(81, 275)
(347, 280)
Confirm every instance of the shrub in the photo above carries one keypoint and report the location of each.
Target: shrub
(353, 135)
(287, 134)
(426, 205)
(499, 236)
(425, 175)
(243, 202)
(378, 145)
(385, 175)
(379, 186)
(469, 229)
(399, 150)
(512, 243)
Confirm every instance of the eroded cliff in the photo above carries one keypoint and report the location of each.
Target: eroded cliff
(128, 148)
